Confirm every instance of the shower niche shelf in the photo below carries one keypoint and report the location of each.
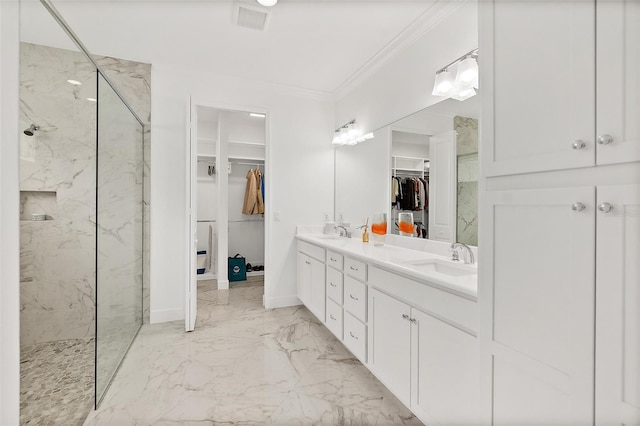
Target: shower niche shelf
(38, 202)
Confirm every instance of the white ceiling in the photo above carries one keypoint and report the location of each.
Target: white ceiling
(312, 44)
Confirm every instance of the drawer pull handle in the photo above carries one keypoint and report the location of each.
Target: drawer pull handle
(353, 335)
(413, 320)
(577, 207)
(332, 285)
(332, 259)
(605, 207)
(353, 297)
(332, 317)
(353, 269)
(307, 262)
(406, 317)
(578, 144)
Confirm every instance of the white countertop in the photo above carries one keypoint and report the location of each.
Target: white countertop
(404, 261)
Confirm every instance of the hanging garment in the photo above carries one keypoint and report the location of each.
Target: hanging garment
(262, 185)
(250, 205)
(259, 200)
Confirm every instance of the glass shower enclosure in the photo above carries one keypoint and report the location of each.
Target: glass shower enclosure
(119, 232)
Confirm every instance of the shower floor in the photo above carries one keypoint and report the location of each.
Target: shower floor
(56, 382)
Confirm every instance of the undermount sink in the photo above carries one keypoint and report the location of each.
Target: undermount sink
(445, 268)
(329, 236)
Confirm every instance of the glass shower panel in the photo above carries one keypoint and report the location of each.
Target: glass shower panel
(119, 233)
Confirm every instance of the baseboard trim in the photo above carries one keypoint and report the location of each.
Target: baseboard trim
(223, 284)
(281, 302)
(166, 315)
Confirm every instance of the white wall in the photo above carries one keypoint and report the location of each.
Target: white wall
(9, 222)
(299, 172)
(404, 84)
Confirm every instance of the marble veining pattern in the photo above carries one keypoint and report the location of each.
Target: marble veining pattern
(245, 365)
(56, 382)
(58, 255)
(467, 187)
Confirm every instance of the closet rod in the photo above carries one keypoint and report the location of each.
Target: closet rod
(244, 221)
(205, 221)
(246, 164)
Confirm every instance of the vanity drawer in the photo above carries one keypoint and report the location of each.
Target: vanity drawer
(355, 268)
(355, 298)
(313, 251)
(355, 337)
(334, 260)
(334, 318)
(334, 285)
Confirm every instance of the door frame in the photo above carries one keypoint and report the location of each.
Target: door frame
(191, 283)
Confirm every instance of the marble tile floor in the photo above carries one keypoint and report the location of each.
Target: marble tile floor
(245, 365)
(56, 382)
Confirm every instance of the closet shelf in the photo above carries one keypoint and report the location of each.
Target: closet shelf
(246, 143)
(206, 156)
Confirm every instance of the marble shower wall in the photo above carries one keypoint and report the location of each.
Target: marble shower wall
(467, 187)
(58, 178)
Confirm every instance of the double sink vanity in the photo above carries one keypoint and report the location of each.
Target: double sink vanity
(408, 313)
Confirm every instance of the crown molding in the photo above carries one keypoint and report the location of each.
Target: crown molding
(413, 32)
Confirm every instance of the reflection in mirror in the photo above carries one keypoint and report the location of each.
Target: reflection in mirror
(425, 165)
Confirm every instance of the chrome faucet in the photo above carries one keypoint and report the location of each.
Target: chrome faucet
(454, 253)
(346, 232)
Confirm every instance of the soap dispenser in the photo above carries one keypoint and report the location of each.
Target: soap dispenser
(365, 234)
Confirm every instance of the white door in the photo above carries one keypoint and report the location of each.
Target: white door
(191, 294)
(538, 69)
(390, 343)
(442, 187)
(618, 62)
(444, 360)
(537, 318)
(618, 306)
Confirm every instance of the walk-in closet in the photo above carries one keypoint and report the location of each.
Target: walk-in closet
(229, 197)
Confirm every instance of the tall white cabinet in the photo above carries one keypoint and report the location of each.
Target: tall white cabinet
(559, 292)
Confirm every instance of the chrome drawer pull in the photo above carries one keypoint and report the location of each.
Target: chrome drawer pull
(353, 335)
(353, 297)
(332, 285)
(307, 262)
(413, 320)
(605, 139)
(578, 144)
(605, 207)
(332, 317)
(577, 207)
(353, 269)
(332, 259)
(406, 317)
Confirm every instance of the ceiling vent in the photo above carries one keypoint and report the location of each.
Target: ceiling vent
(250, 16)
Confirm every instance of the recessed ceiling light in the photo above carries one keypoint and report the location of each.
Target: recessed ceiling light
(92, 99)
(258, 115)
(268, 3)
(74, 82)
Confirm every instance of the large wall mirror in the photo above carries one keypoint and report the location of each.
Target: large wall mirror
(422, 169)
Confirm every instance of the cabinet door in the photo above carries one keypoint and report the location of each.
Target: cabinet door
(318, 289)
(444, 389)
(390, 343)
(538, 71)
(618, 62)
(537, 315)
(618, 307)
(304, 278)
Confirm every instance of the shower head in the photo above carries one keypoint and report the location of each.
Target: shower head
(31, 130)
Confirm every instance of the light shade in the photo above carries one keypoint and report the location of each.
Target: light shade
(443, 83)
(464, 94)
(467, 75)
(268, 3)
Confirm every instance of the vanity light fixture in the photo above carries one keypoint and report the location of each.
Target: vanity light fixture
(466, 80)
(349, 134)
(268, 3)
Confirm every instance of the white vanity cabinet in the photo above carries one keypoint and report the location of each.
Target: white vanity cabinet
(547, 76)
(311, 278)
(428, 360)
(355, 307)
